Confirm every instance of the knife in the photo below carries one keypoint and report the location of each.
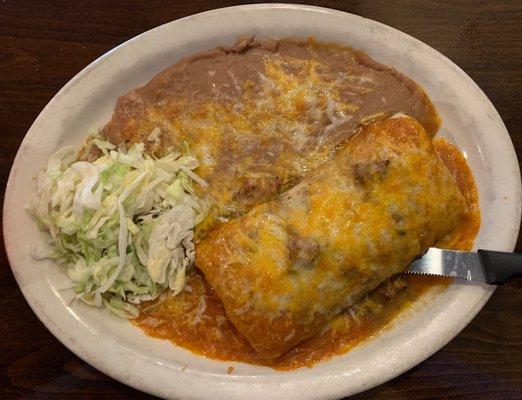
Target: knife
(491, 267)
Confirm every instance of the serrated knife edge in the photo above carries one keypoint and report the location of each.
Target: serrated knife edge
(450, 263)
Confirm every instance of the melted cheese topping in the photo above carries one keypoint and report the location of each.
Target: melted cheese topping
(270, 135)
(357, 219)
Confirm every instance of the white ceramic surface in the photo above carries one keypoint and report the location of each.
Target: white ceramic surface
(122, 351)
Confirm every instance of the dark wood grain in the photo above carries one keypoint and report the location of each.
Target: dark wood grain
(44, 44)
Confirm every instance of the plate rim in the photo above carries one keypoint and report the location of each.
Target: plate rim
(103, 58)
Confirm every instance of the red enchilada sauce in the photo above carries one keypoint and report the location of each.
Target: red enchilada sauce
(195, 319)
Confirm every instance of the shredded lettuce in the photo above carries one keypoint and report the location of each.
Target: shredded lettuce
(122, 225)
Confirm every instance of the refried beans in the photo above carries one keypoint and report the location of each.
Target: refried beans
(260, 114)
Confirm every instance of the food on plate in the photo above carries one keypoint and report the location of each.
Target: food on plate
(286, 268)
(302, 177)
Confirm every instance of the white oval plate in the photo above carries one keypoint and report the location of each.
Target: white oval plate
(118, 349)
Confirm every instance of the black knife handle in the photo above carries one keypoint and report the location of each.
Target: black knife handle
(500, 266)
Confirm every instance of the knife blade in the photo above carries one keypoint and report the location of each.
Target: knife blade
(486, 266)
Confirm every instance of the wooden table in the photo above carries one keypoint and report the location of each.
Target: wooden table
(44, 44)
